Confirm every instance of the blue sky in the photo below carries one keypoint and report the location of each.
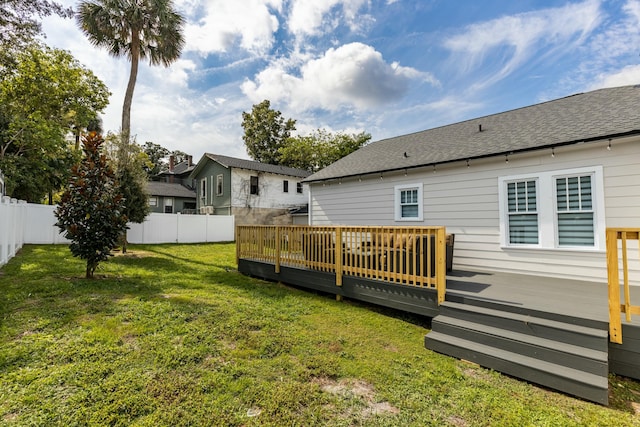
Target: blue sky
(387, 67)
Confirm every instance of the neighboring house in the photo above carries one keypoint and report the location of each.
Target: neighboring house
(178, 173)
(254, 192)
(166, 197)
(526, 191)
(172, 191)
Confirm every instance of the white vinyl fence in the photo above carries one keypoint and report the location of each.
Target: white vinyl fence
(22, 223)
(12, 220)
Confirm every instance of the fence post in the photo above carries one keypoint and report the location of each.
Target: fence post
(613, 279)
(4, 230)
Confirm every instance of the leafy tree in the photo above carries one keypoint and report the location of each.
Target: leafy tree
(136, 29)
(20, 24)
(266, 132)
(128, 160)
(91, 212)
(43, 97)
(156, 154)
(319, 149)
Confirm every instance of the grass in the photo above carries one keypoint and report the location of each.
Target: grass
(173, 335)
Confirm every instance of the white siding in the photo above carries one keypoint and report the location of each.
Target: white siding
(465, 200)
(270, 194)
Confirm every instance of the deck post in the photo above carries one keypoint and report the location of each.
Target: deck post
(338, 256)
(613, 279)
(441, 267)
(278, 248)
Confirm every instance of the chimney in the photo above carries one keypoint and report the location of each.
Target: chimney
(189, 161)
(172, 162)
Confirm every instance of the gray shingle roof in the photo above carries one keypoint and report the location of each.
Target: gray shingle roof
(167, 189)
(256, 166)
(589, 116)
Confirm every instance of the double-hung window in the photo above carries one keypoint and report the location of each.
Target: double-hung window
(554, 209)
(522, 212)
(219, 185)
(574, 207)
(408, 202)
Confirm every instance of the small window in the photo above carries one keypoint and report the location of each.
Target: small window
(299, 188)
(153, 201)
(254, 185)
(408, 202)
(285, 186)
(203, 188)
(219, 186)
(168, 205)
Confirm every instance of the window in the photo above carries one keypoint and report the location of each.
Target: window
(574, 206)
(285, 186)
(408, 202)
(219, 187)
(168, 205)
(522, 212)
(203, 188)
(153, 201)
(299, 187)
(554, 209)
(253, 189)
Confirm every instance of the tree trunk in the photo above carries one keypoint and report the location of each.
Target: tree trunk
(128, 96)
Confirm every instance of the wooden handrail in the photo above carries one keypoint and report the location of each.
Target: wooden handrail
(412, 256)
(613, 278)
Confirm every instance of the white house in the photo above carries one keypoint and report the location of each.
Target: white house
(525, 191)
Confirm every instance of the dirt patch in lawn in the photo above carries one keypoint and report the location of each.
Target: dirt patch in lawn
(359, 389)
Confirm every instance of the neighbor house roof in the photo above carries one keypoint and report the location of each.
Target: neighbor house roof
(182, 168)
(166, 189)
(232, 162)
(585, 117)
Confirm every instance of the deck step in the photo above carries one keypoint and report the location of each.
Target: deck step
(561, 353)
(568, 380)
(582, 336)
(568, 357)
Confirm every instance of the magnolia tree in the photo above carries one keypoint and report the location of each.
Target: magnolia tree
(91, 212)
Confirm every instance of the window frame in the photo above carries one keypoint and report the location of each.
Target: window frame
(285, 186)
(299, 188)
(398, 189)
(220, 185)
(546, 202)
(153, 201)
(254, 188)
(203, 189)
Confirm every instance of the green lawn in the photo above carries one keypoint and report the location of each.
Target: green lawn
(173, 335)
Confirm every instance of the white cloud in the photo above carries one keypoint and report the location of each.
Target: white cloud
(353, 75)
(516, 39)
(629, 75)
(223, 24)
(309, 18)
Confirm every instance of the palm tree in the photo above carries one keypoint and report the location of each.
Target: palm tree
(136, 29)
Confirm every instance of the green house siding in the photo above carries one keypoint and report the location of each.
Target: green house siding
(209, 174)
(179, 204)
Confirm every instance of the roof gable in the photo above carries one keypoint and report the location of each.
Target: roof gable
(233, 162)
(584, 117)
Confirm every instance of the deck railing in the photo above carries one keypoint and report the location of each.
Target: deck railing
(618, 260)
(411, 256)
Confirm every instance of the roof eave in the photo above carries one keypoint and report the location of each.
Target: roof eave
(484, 156)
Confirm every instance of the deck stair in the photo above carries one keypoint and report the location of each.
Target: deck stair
(564, 353)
